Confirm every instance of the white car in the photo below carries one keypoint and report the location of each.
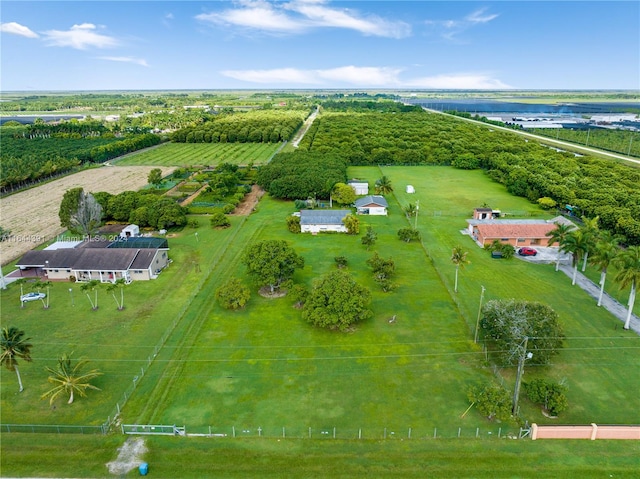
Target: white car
(32, 297)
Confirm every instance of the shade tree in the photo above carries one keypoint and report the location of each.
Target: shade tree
(337, 301)
(68, 378)
(271, 262)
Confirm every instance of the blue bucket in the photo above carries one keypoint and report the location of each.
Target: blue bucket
(144, 468)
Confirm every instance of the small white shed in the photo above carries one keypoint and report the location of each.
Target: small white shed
(410, 189)
(360, 187)
(130, 231)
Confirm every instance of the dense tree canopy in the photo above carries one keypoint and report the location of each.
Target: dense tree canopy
(337, 302)
(271, 262)
(507, 323)
(301, 174)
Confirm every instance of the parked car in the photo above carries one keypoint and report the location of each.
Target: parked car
(526, 251)
(32, 297)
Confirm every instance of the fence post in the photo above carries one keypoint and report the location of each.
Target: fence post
(435, 432)
(283, 433)
(334, 432)
(499, 432)
(309, 433)
(409, 433)
(459, 429)
(477, 431)
(360, 433)
(233, 429)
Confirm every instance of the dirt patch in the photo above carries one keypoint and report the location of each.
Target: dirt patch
(249, 202)
(129, 456)
(265, 292)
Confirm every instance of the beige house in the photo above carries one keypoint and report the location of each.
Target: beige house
(517, 233)
(133, 259)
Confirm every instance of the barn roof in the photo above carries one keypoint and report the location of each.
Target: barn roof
(322, 217)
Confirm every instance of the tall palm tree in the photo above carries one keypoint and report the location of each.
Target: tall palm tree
(605, 251)
(459, 258)
(14, 345)
(559, 235)
(119, 284)
(69, 379)
(628, 264)
(576, 244)
(86, 288)
(590, 231)
(383, 185)
(43, 285)
(410, 210)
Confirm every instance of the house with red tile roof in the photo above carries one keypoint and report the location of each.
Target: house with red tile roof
(518, 233)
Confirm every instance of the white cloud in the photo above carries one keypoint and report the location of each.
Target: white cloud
(17, 29)
(380, 77)
(137, 61)
(80, 37)
(479, 17)
(301, 15)
(450, 29)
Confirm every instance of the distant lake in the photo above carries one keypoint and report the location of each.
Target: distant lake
(26, 120)
(495, 106)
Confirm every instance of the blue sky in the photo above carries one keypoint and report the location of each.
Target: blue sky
(316, 44)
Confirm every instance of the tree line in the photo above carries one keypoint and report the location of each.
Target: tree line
(266, 126)
(591, 186)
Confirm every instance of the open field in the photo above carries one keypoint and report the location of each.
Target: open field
(86, 456)
(264, 367)
(32, 215)
(203, 154)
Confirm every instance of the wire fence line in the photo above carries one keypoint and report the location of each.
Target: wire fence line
(113, 419)
(53, 429)
(498, 431)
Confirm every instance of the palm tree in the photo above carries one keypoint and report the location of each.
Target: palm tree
(628, 264)
(86, 288)
(605, 251)
(576, 244)
(14, 346)
(46, 285)
(69, 380)
(410, 210)
(559, 235)
(119, 284)
(459, 258)
(590, 231)
(21, 282)
(383, 185)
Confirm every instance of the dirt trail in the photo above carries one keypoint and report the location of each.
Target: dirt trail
(249, 202)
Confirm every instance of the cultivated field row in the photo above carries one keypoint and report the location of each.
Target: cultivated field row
(187, 154)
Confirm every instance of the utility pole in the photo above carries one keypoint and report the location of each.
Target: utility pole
(523, 357)
(475, 338)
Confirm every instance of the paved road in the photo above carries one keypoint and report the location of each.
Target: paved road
(610, 304)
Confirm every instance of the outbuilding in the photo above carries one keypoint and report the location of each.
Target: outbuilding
(372, 205)
(322, 221)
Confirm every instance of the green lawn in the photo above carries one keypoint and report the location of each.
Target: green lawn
(86, 456)
(264, 367)
(202, 154)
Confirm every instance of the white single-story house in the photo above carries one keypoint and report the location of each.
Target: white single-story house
(319, 221)
(134, 258)
(129, 231)
(360, 187)
(372, 205)
(410, 189)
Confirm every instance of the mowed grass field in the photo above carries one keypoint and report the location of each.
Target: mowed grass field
(202, 154)
(264, 367)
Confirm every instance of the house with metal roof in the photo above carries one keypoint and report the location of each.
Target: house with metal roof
(320, 221)
(134, 258)
(360, 187)
(372, 205)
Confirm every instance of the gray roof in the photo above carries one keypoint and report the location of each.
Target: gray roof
(375, 200)
(118, 259)
(322, 217)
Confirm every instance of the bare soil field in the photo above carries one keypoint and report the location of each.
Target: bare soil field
(32, 215)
